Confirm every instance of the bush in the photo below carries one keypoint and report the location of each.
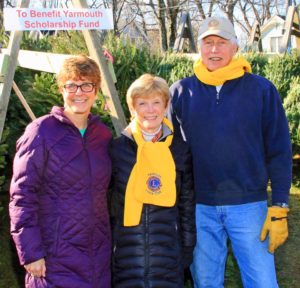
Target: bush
(292, 108)
(258, 62)
(280, 71)
(42, 93)
(3, 155)
(173, 68)
(3, 36)
(29, 43)
(68, 42)
(130, 62)
(4, 176)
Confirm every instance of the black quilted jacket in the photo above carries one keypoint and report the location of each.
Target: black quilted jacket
(152, 253)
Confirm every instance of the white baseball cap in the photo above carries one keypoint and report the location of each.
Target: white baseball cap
(218, 26)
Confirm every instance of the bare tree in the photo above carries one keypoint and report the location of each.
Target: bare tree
(256, 10)
(1, 22)
(201, 8)
(166, 14)
(8, 3)
(227, 7)
(245, 22)
(159, 11)
(163, 15)
(117, 7)
(162, 24)
(172, 11)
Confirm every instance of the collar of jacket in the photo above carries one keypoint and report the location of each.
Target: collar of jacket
(58, 113)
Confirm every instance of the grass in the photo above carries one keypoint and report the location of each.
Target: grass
(287, 257)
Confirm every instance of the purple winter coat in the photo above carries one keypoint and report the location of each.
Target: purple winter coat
(58, 204)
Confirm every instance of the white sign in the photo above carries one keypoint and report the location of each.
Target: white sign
(57, 19)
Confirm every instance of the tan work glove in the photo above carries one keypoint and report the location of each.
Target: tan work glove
(277, 227)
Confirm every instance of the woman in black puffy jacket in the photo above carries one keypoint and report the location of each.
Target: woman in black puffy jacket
(152, 198)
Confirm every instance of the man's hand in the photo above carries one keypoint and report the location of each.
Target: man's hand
(36, 268)
(277, 227)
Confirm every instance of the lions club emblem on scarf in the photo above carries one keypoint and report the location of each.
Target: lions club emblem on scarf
(154, 184)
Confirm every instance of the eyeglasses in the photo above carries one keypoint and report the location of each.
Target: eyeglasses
(85, 87)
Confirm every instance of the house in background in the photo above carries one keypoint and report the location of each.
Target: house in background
(135, 34)
(272, 35)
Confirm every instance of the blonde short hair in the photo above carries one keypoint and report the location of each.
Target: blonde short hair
(145, 86)
(78, 68)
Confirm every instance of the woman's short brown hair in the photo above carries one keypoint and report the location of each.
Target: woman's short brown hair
(78, 68)
(145, 86)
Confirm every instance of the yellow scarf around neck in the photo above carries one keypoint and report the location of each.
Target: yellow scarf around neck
(152, 179)
(235, 69)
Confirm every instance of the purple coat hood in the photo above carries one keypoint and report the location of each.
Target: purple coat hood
(58, 204)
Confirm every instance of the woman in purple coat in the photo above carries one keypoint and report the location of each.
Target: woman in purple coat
(58, 205)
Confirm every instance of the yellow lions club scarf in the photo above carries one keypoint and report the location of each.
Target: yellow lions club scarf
(235, 69)
(152, 179)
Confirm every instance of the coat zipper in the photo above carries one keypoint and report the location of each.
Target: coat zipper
(218, 98)
(90, 174)
(218, 89)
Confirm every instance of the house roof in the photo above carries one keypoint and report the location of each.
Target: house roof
(274, 20)
(133, 30)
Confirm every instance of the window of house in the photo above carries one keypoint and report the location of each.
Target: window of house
(275, 44)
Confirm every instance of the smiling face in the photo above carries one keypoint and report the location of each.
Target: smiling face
(217, 52)
(149, 111)
(78, 102)
(147, 99)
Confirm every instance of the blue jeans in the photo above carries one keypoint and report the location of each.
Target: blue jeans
(241, 224)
